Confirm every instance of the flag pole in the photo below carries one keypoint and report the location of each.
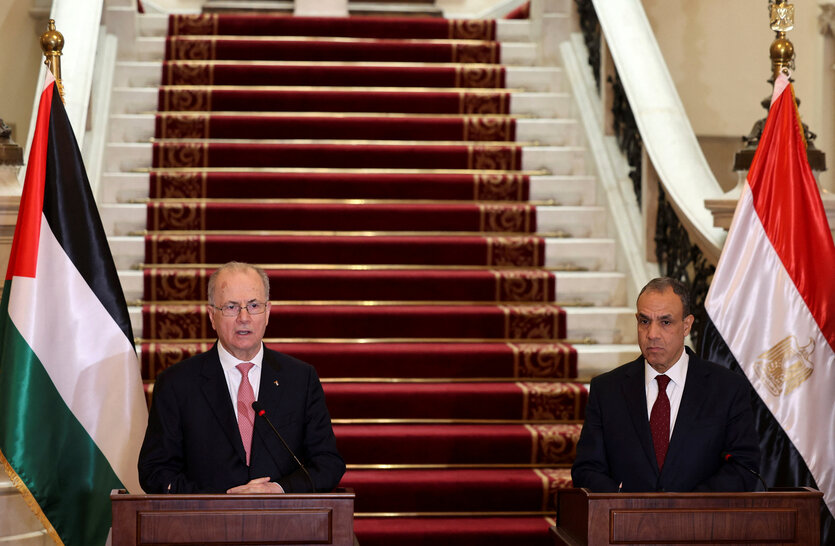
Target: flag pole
(781, 52)
(52, 45)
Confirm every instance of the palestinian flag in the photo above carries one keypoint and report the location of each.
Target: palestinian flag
(72, 410)
(772, 308)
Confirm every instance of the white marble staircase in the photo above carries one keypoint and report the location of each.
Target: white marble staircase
(555, 146)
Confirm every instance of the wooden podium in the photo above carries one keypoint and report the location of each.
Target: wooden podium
(788, 516)
(297, 519)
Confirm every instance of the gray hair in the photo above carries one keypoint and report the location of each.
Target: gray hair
(661, 284)
(241, 267)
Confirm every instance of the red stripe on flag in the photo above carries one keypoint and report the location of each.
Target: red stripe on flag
(788, 203)
(24, 254)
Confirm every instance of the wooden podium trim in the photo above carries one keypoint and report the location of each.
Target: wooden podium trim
(289, 519)
(704, 526)
(233, 526)
(778, 516)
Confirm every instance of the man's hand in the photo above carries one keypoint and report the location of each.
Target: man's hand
(258, 485)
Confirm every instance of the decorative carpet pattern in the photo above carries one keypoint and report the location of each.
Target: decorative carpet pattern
(338, 185)
(354, 127)
(371, 165)
(330, 284)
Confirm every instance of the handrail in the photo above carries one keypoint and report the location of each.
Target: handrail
(665, 128)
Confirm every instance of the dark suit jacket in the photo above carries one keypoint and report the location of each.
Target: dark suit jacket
(714, 417)
(193, 442)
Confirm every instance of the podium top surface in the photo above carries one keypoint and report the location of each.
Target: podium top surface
(777, 491)
(340, 493)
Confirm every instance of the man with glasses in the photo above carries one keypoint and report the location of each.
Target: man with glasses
(203, 435)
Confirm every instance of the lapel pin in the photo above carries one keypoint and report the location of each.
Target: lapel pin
(275, 383)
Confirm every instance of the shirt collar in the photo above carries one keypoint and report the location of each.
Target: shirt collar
(677, 372)
(228, 362)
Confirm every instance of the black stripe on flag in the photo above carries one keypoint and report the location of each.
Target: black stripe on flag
(70, 210)
(780, 463)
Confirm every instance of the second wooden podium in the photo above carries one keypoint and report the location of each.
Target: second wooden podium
(774, 517)
(233, 519)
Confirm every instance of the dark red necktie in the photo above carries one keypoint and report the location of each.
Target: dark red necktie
(659, 421)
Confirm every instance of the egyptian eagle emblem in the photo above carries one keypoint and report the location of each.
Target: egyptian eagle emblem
(785, 366)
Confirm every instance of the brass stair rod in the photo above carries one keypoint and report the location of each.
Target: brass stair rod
(52, 43)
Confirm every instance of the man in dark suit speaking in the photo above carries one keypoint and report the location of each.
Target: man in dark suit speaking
(668, 421)
(203, 435)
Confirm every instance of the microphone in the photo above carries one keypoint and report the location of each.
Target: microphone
(261, 412)
(728, 457)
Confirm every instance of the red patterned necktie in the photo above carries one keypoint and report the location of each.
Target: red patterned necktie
(659, 421)
(246, 415)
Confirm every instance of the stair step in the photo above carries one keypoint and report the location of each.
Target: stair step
(456, 490)
(457, 443)
(348, 27)
(300, 248)
(392, 9)
(283, 48)
(139, 100)
(519, 30)
(488, 400)
(333, 74)
(606, 325)
(142, 128)
(513, 322)
(384, 155)
(366, 359)
(401, 361)
(593, 288)
(18, 524)
(378, 248)
(149, 73)
(124, 219)
(333, 284)
(412, 2)
(255, 6)
(368, 7)
(119, 187)
(152, 24)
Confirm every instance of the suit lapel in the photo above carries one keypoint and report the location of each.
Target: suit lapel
(269, 395)
(691, 400)
(634, 390)
(216, 391)
(270, 386)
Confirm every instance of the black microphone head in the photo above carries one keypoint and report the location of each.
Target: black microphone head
(257, 407)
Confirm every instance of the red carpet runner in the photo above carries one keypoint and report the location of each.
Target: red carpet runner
(405, 264)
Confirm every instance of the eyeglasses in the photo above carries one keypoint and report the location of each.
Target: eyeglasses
(233, 309)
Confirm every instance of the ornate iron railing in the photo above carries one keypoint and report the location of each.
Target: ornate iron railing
(680, 259)
(626, 132)
(591, 35)
(677, 256)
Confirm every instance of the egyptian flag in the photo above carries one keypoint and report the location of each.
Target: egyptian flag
(772, 308)
(72, 410)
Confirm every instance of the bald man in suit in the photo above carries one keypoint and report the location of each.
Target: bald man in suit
(703, 414)
(195, 438)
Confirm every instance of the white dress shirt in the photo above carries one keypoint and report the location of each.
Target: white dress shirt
(677, 374)
(233, 375)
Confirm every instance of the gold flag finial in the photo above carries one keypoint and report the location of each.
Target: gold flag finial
(52, 43)
(781, 50)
